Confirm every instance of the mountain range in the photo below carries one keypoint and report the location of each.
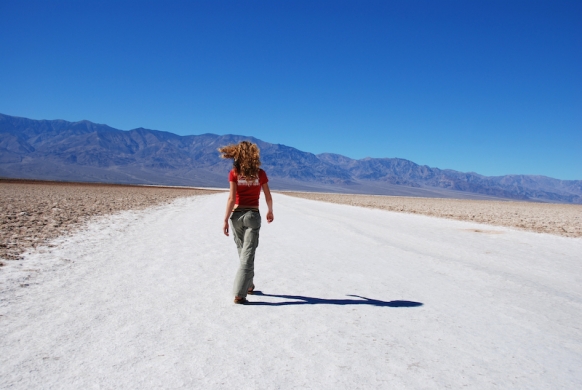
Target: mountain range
(86, 151)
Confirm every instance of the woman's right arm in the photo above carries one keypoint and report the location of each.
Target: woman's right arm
(229, 205)
(269, 200)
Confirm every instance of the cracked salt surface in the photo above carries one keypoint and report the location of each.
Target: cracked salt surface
(350, 298)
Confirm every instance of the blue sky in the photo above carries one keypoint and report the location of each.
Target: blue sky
(493, 87)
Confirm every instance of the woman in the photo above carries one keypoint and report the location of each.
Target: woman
(246, 181)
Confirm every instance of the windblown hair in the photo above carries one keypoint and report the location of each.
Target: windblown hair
(246, 158)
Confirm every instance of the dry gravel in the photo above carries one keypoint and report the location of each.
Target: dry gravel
(33, 212)
(561, 219)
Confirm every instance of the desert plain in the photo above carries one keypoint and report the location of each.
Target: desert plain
(34, 212)
(369, 298)
(560, 219)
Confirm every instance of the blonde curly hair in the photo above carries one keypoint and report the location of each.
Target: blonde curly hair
(246, 158)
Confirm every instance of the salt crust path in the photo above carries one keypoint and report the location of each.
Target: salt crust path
(142, 299)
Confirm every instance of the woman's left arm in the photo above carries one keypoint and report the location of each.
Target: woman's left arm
(229, 205)
(269, 200)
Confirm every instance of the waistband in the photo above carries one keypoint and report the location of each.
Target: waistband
(244, 210)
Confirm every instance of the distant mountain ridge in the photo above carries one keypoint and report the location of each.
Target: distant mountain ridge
(86, 151)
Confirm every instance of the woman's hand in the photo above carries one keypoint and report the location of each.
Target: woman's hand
(270, 217)
(225, 228)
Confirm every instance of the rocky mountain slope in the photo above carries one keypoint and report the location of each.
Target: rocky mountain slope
(85, 151)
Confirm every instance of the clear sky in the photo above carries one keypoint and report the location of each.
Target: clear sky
(493, 87)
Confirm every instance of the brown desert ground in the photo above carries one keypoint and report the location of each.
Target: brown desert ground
(34, 212)
(560, 219)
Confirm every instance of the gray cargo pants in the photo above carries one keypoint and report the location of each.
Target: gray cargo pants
(245, 227)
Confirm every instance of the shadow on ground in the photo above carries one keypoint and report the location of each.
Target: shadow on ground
(301, 300)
